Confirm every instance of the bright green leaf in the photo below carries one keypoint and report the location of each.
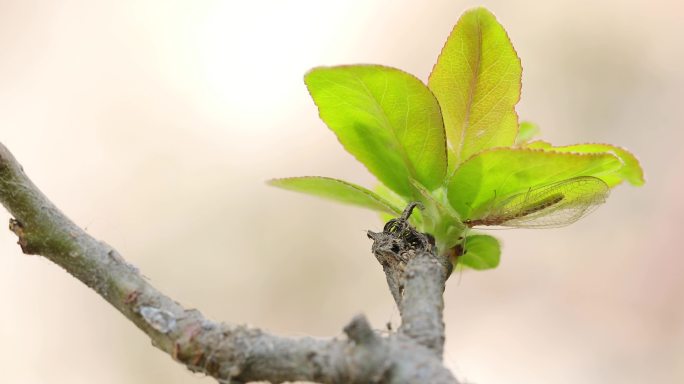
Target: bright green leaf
(394, 199)
(481, 252)
(630, 171)
(477, 82)
(527, 131)
(496, 174)
(337, 190)
(388, 119)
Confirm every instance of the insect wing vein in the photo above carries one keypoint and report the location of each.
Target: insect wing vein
(549, 206)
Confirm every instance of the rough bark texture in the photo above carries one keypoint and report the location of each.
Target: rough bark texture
(238, 353)
(416, 276)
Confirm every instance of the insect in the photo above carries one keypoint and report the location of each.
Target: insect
(547, 206)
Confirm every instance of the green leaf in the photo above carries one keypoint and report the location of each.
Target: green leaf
(388, 119)
(527, 131)
(394, 199)
(337, 190)
(481, 252)
(499, 173)
(630, 171)
(477, 83)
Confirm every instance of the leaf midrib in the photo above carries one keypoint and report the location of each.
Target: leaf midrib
(471, 89)
(381, 111)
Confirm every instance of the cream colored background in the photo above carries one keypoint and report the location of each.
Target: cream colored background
(154, 124)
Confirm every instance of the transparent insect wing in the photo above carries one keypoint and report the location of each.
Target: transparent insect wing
(554, 205)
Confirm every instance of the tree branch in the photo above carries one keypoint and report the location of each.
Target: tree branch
(228, 352)
(416, 276)
(423, 304)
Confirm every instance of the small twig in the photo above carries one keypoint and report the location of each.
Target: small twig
(423, 304)
(416, 276)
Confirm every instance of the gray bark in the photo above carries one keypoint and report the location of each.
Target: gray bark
(237, 353)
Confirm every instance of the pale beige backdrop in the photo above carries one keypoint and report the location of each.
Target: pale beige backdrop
(154, 124)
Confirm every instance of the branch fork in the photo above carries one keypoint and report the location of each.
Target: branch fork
(236, 353)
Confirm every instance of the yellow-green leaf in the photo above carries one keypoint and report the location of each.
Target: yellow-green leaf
(394, 199)
(388, 119)
(337, 190)
(480, 252)
(477, 83)
(496, 174)
(630, 171)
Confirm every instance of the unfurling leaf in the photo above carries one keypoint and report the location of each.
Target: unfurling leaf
(477, 83)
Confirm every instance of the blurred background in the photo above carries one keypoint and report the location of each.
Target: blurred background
(154, 125)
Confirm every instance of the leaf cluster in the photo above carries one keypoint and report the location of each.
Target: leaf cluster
(455, 144)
